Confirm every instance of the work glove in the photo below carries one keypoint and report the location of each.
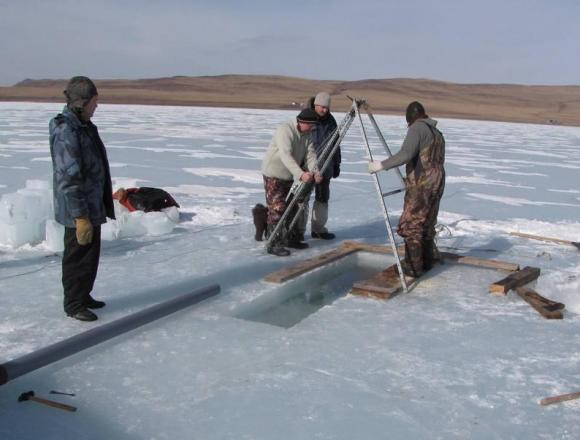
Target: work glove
(84, 230)
(375, 166)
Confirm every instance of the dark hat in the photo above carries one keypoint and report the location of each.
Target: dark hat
(414, 111)
(308, 115)
(79, 92)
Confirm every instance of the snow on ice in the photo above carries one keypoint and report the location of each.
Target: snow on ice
(301, 360)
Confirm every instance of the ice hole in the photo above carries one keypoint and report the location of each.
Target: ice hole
(291, 302)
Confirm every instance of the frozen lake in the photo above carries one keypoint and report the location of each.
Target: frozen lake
(305, 360)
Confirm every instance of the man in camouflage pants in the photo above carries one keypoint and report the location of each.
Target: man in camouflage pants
(290, 155)
(423, 152)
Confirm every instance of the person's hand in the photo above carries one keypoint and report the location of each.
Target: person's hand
(306, 177)
(375, 166)
(84, 231)
(318, 177)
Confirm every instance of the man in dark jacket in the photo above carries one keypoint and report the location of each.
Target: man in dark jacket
(423, 151)
(323, 131)
(82, 194)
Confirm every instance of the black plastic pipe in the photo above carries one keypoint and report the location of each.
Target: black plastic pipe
(55, 352)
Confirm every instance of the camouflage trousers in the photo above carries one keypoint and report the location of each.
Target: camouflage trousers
(421, 208)
(276, 192)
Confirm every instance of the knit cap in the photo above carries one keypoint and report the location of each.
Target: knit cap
(308, 115)
(79, 92)
(322, 99)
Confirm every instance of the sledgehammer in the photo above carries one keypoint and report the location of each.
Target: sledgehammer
(29, 395)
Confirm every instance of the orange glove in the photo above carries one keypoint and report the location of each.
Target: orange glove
(84, 230)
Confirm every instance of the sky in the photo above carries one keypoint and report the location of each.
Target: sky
(496, 41)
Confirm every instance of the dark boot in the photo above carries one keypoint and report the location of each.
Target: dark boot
(276, 247)
(412, 265)
(431, 254)
(296, 240)
(260, 214)
(84, 315)
(93, 303)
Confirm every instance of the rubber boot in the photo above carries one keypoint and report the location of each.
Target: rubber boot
(431, 255)
(276, 247)
(295, 240)
(412, 265)
(260, 215)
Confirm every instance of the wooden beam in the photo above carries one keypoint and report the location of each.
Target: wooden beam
(480, 262)
(546, 307)
(349, 247)
(383, 285)
(375, 248)
(560, 398)
(542, 238)
(460, 259)
(283, 275)
(515, 279)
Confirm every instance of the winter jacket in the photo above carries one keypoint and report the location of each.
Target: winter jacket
(81, 177)
(290, 153)
(320, 134)
(419, 137)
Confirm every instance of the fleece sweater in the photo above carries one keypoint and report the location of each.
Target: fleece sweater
(290, 153)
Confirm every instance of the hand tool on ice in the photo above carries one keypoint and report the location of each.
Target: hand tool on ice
(560, 398)
(541, 238)
(60, 392)
(29, 395)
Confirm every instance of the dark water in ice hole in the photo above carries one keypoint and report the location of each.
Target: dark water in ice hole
(290, 312)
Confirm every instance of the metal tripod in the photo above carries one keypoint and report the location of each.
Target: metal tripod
(299, 194)
(357, 104)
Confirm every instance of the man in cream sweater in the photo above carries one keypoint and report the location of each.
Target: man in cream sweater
(290, 156)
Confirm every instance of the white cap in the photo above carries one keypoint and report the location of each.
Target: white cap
(322, 99)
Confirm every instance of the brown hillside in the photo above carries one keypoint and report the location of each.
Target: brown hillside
(498, 102)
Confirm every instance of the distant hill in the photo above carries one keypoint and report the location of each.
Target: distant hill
(497, 102)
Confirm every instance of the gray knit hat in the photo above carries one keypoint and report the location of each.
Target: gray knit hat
(322, 99)
(79, 92)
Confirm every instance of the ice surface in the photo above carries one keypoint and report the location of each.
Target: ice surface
(54, 235)
(301, 360)
(28, 215)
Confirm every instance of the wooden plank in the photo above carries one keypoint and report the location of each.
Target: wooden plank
(461, 259)
(515, 279)
(349, 247)
(480, 262)
(384, 285)
(547, 308)
(375, 248)
(286, 274)
(560, 398)
(542, 238)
